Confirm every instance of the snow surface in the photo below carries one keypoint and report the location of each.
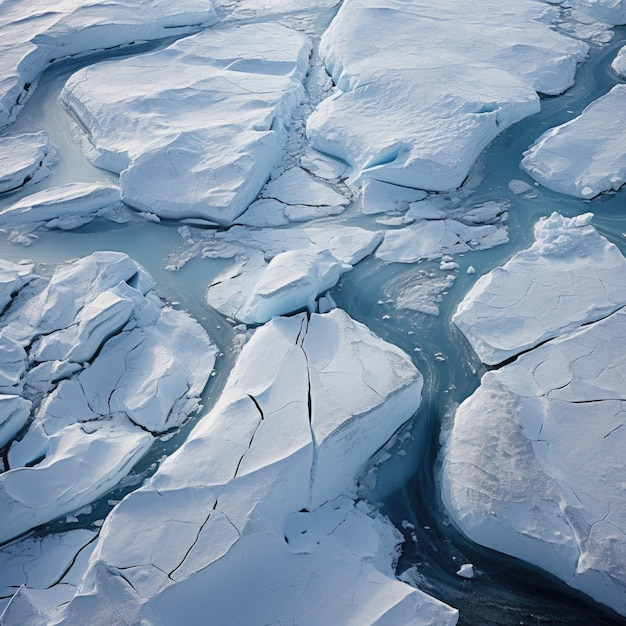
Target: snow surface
(252, 502)
(96, 366)
(419, 115)
(571, 275)
(34, 35)
(535, 463)
(207, 114)
(585, 156)
(25, 158)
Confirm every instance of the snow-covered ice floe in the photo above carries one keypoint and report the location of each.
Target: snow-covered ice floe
(25, 158)
(419, 114)
(34, 35)
(585, 156)
(259, 503)
(93, 366)
(65, 207)
(571, 275)
(535, 465)
(207, 115)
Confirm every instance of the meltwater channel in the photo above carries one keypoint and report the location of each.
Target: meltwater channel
(505, 592)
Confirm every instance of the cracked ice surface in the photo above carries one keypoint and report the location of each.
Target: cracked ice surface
(207, 114)
(99, 366)
(535, 463)
(34, 34)
(24, 159)
(253, 501)
(585, 156)
(419, 115)
(571, 275)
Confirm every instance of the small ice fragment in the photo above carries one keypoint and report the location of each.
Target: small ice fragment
(466, 571)
(471, 269)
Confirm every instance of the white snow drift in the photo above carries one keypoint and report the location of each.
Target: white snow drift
(102, 366)
(422, 88)
(586, 155)
(571, 275)
(206, 115)
(535, 463)
(251, 506)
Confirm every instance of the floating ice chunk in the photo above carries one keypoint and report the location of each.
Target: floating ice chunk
(214, 107)
(254, 496)
(379, 197)
(466, 571)
(519, 187)
(24, 159)
(304, 262)
(534, 466)
(570, 276)
(420, 116)
(291, 281)
(586, 155)
(33, 37)
(619, 63)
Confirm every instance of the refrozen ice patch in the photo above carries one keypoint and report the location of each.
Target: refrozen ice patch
(25, 158)
(33, 36)
(585, 156)
(206, 115)
(97, 367)
(570, 276)
(418, 116)
(534, 466)
(619, 63)
(421, 291)
(256, 496)
(65, 207)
